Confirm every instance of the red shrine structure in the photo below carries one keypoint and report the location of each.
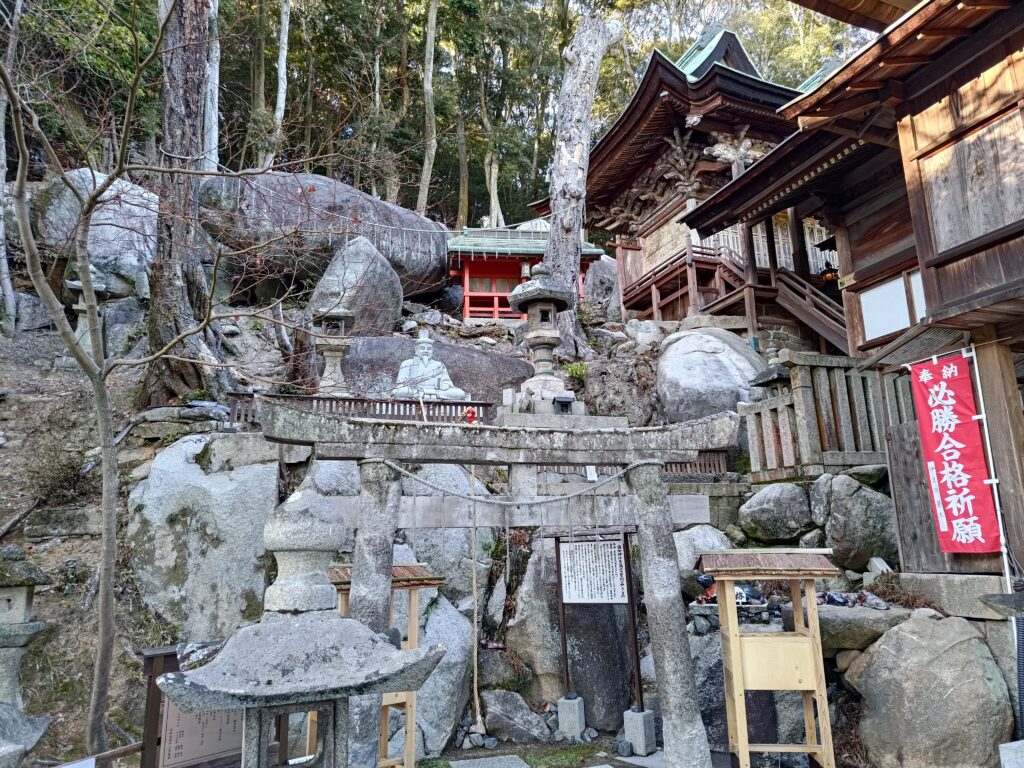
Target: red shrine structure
(490, 262)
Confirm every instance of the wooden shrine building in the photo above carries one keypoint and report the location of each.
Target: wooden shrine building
(490, 263)
(913, 153)
(692, 126)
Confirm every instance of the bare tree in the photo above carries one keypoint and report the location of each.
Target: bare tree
(8, 305)
(430, 119)
(211, 126)
(282, 85)
(572, 155)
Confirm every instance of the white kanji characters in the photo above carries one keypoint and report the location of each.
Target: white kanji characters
(924, 376)
(949, 371)
(941, 395)
(960, 502)
(953, 475)
(948, 447)
(966, 530)
(944, 420)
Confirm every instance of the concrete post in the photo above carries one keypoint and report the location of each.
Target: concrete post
(374, 547)
(686, 741)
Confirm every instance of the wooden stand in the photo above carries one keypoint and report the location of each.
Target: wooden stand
(773, 661)
(409, 578)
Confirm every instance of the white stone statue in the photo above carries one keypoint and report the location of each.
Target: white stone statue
(424, 377)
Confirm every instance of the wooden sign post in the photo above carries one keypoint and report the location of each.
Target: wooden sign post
(773, 661)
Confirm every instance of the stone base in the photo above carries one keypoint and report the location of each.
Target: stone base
(64, 521)
(957, 594)
(638, 729)
(571, 717)
(560, 421)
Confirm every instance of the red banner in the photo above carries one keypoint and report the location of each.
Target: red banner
(954, 456)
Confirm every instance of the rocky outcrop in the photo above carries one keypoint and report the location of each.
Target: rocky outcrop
(124, 325)
(705, 371)
(122, 235)
(776, 513)
(359, 281)
(509, 718)
(197, 539)
(859, 523)
(601, 289)
(856, 628)
(597, 642)
(933, 697)
(371, 363)
(32, 314)
(303, 219)
(700, 538)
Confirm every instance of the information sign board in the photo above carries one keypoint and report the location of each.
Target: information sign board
(190, 738)
(593, 572)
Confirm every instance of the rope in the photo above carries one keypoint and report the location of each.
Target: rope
(536, 502)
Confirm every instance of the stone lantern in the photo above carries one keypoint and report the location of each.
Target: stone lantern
(332, 326)
(19, 732)
(541, 298)
(302, 656)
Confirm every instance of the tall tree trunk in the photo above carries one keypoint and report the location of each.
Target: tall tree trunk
(430, 119)
(572, 158)
(282, 85)
(258, 106)
(8, 304)
(403, 60)
(179, 297)
(538, 129)
(211, 108)
(462, 217)
(307, 136)
(376, 105)
(491, 161)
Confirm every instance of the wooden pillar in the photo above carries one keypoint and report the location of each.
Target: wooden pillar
(801, 262)
(750, 278)
(1005, 420)
(693, 291)
(620, 268)
(773, 257)
(465, 288)
(655, 301)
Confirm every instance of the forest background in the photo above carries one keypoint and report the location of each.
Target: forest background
(356, 102)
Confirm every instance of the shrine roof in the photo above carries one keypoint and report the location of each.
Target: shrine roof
(767, 564)
(804, 164)
(485, 242)
(911, 55)
(869, 14)
(713, 87)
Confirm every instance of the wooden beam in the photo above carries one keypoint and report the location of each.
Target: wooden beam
(846, 106)
(773, 258)
(985, 5)
(903, 61)
(801, 264)
(942, 33)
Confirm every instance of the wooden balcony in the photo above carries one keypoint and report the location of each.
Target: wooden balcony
(830, 420)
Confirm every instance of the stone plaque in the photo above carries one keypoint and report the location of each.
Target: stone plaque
(187, 739)
(593, 572)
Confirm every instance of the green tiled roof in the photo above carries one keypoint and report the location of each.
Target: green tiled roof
(506, 242)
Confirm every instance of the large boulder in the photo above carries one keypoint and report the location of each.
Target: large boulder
(443, 697)
(122, 235)
(778, 512)
(595, 635)
(933, 697)
(31, 313)
(846, 629)
(859, 523)
(302, 219)
(124, 325)
(509, 718)
(693, 541)
(601, 289)
(371, 364)
(197, 539)
(360, 281)
(705, 371)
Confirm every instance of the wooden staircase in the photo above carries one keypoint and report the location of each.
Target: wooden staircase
(811, 306)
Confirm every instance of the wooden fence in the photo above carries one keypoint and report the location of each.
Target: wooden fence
(828, 421)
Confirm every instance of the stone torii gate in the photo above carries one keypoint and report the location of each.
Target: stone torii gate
(381, 509)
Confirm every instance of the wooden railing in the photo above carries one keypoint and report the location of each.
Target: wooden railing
(830, 420)
(805, 301)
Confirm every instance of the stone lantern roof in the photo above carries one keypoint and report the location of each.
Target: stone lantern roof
(17, 571)
(541, 287)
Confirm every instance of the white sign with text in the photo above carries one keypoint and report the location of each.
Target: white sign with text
(593, 572)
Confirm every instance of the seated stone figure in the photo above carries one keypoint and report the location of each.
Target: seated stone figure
(424, 377)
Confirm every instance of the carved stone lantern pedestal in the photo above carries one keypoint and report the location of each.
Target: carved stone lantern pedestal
(332, 327)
